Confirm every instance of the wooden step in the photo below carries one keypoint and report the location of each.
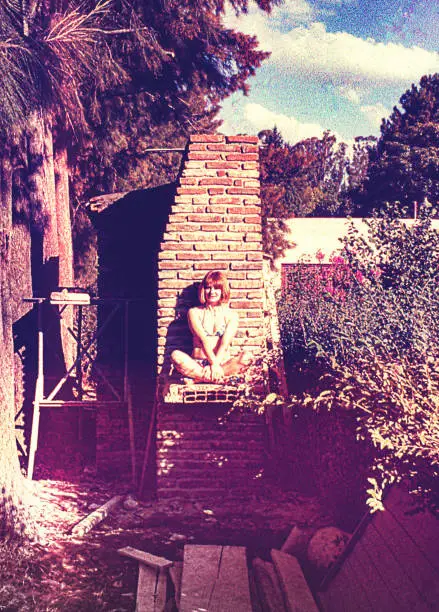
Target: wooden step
(215, 579)
(295, 589)
(268, 587)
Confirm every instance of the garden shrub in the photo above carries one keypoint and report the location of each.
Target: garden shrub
(363, 332)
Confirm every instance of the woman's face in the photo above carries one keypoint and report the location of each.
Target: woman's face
(213, 295)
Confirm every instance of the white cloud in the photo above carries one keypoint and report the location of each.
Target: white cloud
(292, 129)
(375, 113)
(309, 50)
(350, 93)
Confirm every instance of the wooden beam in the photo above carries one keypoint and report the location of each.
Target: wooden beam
(145, 558)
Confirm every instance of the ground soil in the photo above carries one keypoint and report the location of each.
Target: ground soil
(75, 574)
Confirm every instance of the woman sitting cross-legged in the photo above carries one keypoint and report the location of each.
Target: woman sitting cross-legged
(213, 325)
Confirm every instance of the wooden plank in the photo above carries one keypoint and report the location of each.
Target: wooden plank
(146, 589)
(200, 571)
(379, 594)
(421, 526)
(345, 592)
(145, 558)
(160, 592)
(297, 595)
(95, 517)
(396, 579)
(231, 591)
(268, 585)
(409, 557)
(176, 573)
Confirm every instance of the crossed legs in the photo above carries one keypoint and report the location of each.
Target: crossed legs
(191, 368)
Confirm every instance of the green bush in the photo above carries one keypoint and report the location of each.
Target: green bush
(364, 334)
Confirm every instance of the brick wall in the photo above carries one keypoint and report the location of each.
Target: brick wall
(215, 224)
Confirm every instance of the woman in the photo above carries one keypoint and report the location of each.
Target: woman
(213, 325)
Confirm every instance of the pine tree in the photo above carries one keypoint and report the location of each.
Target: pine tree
(406, 166)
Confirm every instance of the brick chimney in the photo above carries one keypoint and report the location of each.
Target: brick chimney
(215, 224)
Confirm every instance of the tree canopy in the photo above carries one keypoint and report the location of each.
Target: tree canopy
(406, 166)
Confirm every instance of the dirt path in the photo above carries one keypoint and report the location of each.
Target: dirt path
(87, 574)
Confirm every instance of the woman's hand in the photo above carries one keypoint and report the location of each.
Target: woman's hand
(214, 372)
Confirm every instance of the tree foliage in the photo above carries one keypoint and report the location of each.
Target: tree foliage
(371, 330)
(406, 166)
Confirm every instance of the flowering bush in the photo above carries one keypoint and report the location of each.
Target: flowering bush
(371, 339)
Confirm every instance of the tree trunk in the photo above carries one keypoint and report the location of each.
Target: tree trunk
(65, 246)
(49, 195)
(15, 518)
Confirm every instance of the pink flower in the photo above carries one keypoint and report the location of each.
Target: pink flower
(320, 256)
(359, 276)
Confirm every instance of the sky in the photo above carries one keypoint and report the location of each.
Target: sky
(338, 65)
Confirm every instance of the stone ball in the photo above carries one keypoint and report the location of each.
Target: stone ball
(326, 546)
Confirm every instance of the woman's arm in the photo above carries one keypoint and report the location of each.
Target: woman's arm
(198, 330)
(229, 334)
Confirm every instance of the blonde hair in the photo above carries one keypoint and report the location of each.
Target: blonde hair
(217, 279)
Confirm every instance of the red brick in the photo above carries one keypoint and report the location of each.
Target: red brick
(212, 227)
(205, 218)
(191, 275)
(255, 295)
(177, 218)
(233, 218)
(165, 255)
(210, 246)
(166, 293)
(165, 312)
(188, 181)
(246, 266)
(228, 256)
(216, 209)
(250, 149)
(175, 246)
(244, 157)
(252, 219)
(198, 147)
(193, 165)
(224, 147)
(216, 181)
(207, 138)
(224, 165)
(254, 257)
(223, 200)
(236, 276)
(204, 156)
(243, 191)
(191, 190)
(172, 283)
(254, 275)
(172, 265)
(228, 236)
(245, 304)
(242, 210)
(253, 236)
(243, 227)
(192, 236)
(247, 246)
(243, 138)
(184, 227)
(191, 256)
(211, 265)
(238, 182)
(257, 284)
(167, 274)
(250, 166)
(252, 200)
(216, 190)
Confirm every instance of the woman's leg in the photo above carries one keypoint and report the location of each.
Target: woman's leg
(237, 364)
(187, 366)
